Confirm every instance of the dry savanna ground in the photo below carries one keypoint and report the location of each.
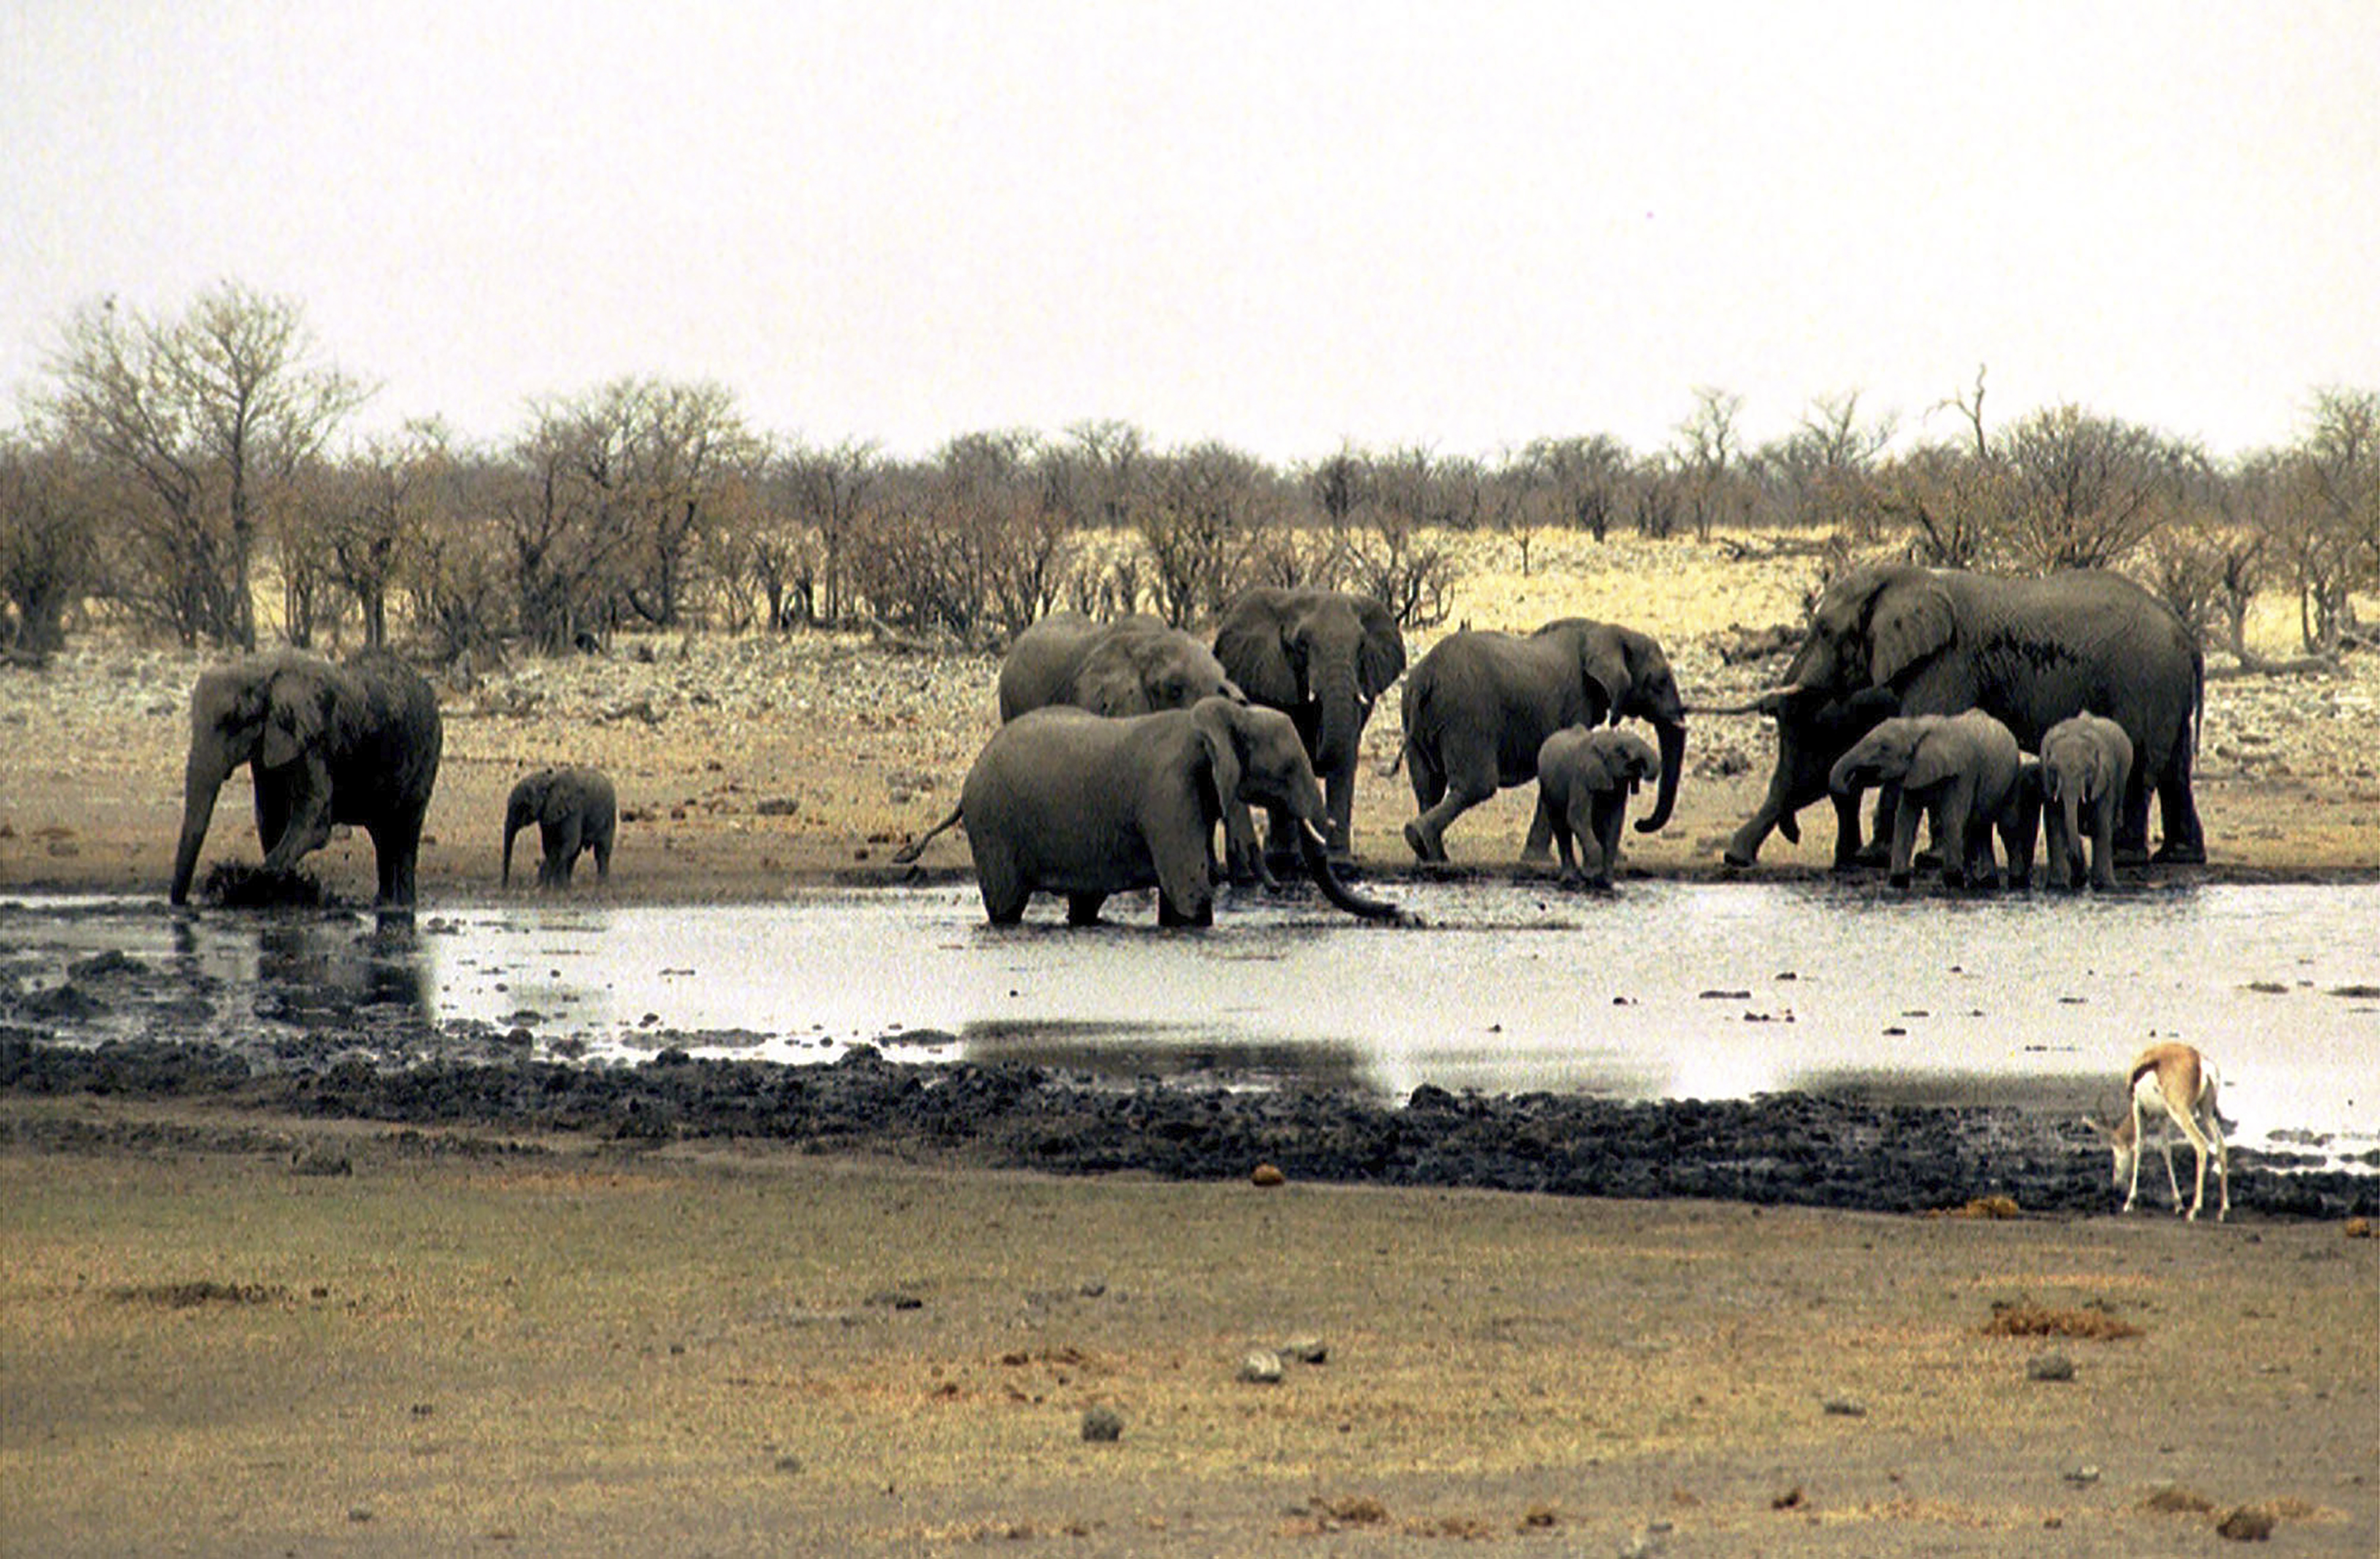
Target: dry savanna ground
(752, 765)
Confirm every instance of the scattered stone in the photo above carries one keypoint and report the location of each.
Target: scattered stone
(1791, 1499)
(1306, 1349)
(2175, 1500)
(789, 1462)
(1102, 1425)
(1846, 1408)
(2082, 1473)
(1261, 1367)
(1725, 995)
(2358, 1228)
(1642, 1544)
(2246, 1524)
(2051, 1366)
(1266, 1174)
(895, 1299)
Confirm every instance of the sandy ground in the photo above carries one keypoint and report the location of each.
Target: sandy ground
(552, 1347)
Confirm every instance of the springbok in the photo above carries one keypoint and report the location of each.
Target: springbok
(2172, 1085)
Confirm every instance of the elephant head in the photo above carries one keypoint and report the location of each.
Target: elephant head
(1898, 751)
(1625, 673)
(1619, 759)
(1257, 760)
(275, 712)
(530, 803)
(1872, 627)
(1141, 664)
(1325, 656)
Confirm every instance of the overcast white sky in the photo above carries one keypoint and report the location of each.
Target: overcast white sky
(1283, 226)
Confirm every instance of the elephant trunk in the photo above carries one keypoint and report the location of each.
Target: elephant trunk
(515, 819)
(1331, 683)
(2070, 805)
(1673, 762)
(1317, 865)
(202, 777)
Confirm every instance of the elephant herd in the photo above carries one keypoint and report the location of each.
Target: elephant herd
(1983, 704)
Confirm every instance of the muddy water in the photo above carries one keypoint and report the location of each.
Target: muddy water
(1666, 990)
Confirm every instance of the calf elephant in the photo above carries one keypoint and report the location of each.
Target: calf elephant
(576, 811)
(2086, 762)
(1067, 802)
(1584, 778)
(2029, 652)
(1814, 729)
(1480, 704)
(1965, 773)
(325, 744)
(1135, 666)
(1322, 657)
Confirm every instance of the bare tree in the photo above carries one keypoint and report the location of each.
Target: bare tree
(2086, 491)
(1210, 508)
(207, 416)
(1709, 452)
(49, 512)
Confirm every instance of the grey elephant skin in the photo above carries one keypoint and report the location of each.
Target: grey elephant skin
(355, 743)
(1584, 778)
(1323, 658)
(1965, 771)
(1481, 703)
(1067, 802)
(1134, 665)
(576, 812)
(2028, 652)
(1815, 729)
(2086, 765)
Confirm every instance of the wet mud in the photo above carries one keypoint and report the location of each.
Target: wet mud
(1798, 1149)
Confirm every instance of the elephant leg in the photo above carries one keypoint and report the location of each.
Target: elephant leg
(272, 810)
(309, 828)
(1465, 785)
(561, 853)
(2102, 842)
(1953, 823)
(1889, 807)
(1609, 811)
(1846, 831)
(1083, 908)
(1004, 887)
(2185, 839)
(1905, 841)
(2132, 824)
(1185, 878)
(2020, 830)
(1554, 830)
(396, 844)
(601, 845)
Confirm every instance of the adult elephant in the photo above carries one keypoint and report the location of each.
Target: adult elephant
(1481, 703)
(325, 744)
(1323, 657)
(1135, 666)
(2030, 653)
(1066, 802)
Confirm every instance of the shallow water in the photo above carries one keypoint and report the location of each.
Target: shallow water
(1666, 990)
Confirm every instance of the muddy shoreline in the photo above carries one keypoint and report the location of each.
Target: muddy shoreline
(1794, 1149)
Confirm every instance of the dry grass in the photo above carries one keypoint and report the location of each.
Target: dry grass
(2022, 1318)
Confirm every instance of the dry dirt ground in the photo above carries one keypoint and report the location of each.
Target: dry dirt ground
(562, 1347)
(471, 1345)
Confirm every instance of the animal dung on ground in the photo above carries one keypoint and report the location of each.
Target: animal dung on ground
(1102, 1425)
(2051, 1366)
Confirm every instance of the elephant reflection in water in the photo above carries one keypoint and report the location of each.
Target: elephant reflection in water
(320, 970)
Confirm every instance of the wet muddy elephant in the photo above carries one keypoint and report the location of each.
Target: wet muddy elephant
(357, 743)
(2086, 762)
(1481, 703)
(1323, 658)
(576, 811)
(2028, 652)
(1965, 771)
(1067, 802)
(1134, 665)
(1584, 777)
(1814, 729)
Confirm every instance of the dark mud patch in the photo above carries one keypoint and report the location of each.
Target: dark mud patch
(202, 1291)
(1784, 1148)
(232, 885)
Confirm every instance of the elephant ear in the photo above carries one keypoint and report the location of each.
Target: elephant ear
(297, 716)
(1913, 619)
(1255, 655)
(1382, 658)
(1603, 658)
(1933, 761)
(1218, 733)
(1111, 688)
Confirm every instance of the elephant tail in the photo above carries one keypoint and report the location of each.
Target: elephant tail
(910, 852)
(1397, 763)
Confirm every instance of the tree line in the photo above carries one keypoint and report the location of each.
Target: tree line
(173, 468)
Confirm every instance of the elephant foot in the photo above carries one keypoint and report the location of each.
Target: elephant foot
(1899, 878)
(1733, 861)
(2180, 852)
(1419, 842)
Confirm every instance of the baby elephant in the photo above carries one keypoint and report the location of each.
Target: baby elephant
(1965, 773)
(2086, 760)
(1584, 778)
(574, 809)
